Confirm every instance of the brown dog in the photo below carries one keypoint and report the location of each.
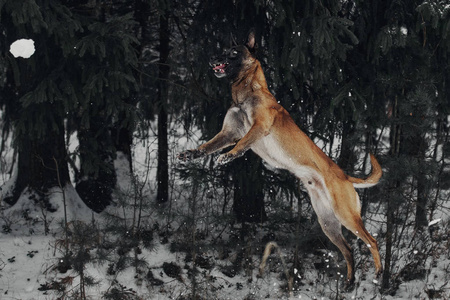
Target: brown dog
(256, 121)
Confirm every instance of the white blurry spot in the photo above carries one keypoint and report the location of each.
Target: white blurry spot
(368, 245)
(404, 30)
(439, 151)
(22, 48)
(415, 251)
(375, 281)
(295, 270)
(434, 222)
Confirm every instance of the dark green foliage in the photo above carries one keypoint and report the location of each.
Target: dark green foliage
(346, 71)
(120, 292)
(78, 250)
(152, 280)
(107, 80)
(35, 95)
(357, 76)
(82, 74)
(172, 270)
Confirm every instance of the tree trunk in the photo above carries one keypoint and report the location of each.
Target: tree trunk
(389, 238)
(347, 158)
(142, 13)
(422, 202)
(419, 151)
(122, 138)
(393, 187)
(97, 173)
(162, 173)
(248, 205)
(39, 161)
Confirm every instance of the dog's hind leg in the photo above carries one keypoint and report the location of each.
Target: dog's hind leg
(357, 227)
(332, 228)
(349, 215)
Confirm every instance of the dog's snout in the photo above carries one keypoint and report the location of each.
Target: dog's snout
(214, 59)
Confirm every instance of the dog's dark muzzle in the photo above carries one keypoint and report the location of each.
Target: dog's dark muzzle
(219, 66)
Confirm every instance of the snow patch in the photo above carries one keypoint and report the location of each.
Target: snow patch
(434, 222)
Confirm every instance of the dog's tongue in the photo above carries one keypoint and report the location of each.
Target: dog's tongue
(220, 68)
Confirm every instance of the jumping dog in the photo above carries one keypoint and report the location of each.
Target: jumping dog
(256, 121)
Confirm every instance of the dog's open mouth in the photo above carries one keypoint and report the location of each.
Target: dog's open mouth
(219, 68)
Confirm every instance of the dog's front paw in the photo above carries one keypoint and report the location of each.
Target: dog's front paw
(225, 158)
(189, 155)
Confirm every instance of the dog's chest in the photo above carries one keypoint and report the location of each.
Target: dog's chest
(272, 152)
(246, 115)
(267, 147)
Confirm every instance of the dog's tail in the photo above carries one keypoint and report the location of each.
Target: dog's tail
(373, 178)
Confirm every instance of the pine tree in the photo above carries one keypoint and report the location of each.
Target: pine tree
(162, 176)
(213, 95)
(82, 72)
(433, 28)
(37, 94)
(392, 66)
(105, 113)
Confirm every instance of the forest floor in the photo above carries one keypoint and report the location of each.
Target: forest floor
(177, 251)
(30, 268)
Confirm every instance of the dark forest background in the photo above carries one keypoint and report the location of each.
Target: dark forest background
(360, 76)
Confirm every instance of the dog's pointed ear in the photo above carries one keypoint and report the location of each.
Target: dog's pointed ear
(251, 41)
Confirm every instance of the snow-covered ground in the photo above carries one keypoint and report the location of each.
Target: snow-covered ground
(32, 249)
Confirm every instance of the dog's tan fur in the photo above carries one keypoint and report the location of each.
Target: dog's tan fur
(256, 121)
